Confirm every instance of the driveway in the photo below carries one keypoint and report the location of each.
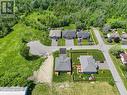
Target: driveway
(69, 42)
(54, 42)
(44, 74)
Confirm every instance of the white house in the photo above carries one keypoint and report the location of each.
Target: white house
(123, 57)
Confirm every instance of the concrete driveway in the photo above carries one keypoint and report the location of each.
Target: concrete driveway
(69, 42)
(54, 42)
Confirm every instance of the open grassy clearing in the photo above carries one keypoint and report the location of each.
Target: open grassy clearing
(12, 61)
(77, 88)
(120, 68)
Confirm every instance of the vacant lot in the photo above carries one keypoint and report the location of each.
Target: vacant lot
(78, 88)
(12, 61)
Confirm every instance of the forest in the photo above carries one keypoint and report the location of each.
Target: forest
(82, 13)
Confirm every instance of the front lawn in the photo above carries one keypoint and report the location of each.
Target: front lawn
(97, 54)
(61, 42)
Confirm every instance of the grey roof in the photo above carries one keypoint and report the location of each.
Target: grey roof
(62, 50)
(62, 63)
(69, 34)
(87, 64)
(55, 33)
(82, 34)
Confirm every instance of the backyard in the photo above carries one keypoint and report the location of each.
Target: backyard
(80, 88)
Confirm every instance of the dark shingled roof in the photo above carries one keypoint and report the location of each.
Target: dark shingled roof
(69, 34)
(62, 63)
(62, 50)
(83, 35)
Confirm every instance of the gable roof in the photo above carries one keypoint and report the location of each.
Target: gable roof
(82, 34)
(88, 64)
(69, 34)
(62, 63)
(55, 33)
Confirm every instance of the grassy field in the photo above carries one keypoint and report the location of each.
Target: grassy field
(61, 42)
(12, 61)
(78, 88)
(120, 68)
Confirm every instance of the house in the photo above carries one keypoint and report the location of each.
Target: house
(63, 62)
(123, 57)
(13, 90)
(55, 34)
(124, 38)
(88, 65)
(69, 34)
(114, 35)
(83, 35)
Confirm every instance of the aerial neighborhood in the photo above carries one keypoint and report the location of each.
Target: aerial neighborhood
(63, 47)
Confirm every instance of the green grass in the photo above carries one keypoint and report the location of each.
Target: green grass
(77, 88)
(97, 54)
(15, 69)
(94, 39)
(63, 77)
(120, 68)
(119, 30)
(85, 41)
(70, 27)
(61, 42)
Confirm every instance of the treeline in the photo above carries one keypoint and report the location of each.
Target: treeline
(83, 13)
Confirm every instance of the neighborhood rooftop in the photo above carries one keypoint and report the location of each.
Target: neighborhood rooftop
(69, 34)
(88, 64)
(55, 33)
(83, 35)
(62, 63)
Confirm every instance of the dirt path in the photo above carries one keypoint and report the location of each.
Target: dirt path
(44, 74)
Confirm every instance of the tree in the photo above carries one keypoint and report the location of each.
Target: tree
(116, 50)
(106, 28)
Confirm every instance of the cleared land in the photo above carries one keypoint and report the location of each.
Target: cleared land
(12, 61)
(78, 88)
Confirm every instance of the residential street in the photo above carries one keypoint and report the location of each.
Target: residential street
(37, 48)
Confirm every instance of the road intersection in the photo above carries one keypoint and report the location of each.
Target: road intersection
(36, 48)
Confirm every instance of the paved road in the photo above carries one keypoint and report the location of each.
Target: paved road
(112, 68)
(37, 47)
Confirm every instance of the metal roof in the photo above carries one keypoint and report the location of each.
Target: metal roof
(88, 64)
(62, 63)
